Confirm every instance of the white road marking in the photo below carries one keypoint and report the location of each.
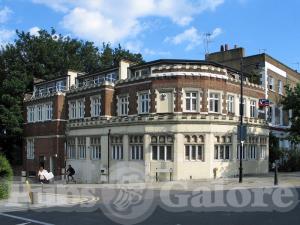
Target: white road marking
(25, 219)
(23, 223)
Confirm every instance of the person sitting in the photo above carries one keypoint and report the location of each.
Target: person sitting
(70, 173)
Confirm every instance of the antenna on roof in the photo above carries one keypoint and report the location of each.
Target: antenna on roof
(207, 40)
(298, 65)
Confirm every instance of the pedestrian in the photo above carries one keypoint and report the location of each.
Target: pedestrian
(70, 173)
(41, 173)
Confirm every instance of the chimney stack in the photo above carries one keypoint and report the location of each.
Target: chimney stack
(222, 48)
(226, 47)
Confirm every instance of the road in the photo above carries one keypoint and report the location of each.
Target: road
(159, 216)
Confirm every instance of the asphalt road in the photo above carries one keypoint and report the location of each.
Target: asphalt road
(158, 217)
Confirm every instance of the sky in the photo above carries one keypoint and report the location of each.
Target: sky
(165, 28)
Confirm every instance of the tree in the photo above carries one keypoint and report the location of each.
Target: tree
(292, 102)
(46, 56)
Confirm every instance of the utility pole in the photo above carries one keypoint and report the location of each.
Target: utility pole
(241, 124)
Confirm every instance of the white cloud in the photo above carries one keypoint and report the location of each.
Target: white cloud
(151, 52)
(192, 37)
(34, 31)
(6, 36)
(5, 12)
(116, 20)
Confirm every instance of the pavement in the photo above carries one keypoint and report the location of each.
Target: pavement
(61, 203)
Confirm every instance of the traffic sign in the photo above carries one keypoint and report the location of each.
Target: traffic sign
(242, 133)
(264, 102)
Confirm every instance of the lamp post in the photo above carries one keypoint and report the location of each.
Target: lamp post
(108, 151)
(241, 124)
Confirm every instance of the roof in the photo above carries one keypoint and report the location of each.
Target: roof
(182, 61)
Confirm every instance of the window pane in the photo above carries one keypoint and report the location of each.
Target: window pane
(193, 152)
(154, 152)
(161, 152)
(187, 152)
(169, 153)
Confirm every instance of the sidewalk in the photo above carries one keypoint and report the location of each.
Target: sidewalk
(57, 194)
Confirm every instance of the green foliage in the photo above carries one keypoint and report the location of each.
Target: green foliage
(291, 161)
(6, 174)
(274, 151)
(292, 102)
(45, 56)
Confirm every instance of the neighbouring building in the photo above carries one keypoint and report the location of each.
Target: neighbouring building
(167, 116)
(45, 125)
(273, 76)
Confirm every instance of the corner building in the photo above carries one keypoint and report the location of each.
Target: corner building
(173, 118)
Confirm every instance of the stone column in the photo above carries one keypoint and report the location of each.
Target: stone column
(209, 152)
(178, 156)
(126, 155)
(234, 147)
(104, 154)
(147, 157)
(88, 165)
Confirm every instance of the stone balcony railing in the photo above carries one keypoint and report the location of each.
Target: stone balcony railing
(162, 119)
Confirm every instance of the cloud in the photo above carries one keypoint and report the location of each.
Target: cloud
(192, 37)
(6, 36)
(5, 12)
(151, 52)
(34, 31)
(117, 20)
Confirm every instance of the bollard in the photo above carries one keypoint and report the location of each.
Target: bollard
(276, 175)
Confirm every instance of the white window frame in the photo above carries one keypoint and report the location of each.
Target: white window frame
(71, 149)
(230, 103)
(95, 105)
(30, 112)
(280, 87)
(95, 148)
(198, 149)
(72, 110)
(39, 109)
(214, 101)
(253, 108)
(80, 108)
(190, 96)
(252, 152)
(144, 103)
(136, 152)
(164, 149)
(219, 156)
(48, 111)
(30, 148)
(263, 152)
(81, 146)
(123, 105)
(117, 152)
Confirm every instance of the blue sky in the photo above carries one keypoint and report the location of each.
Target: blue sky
(164, 28)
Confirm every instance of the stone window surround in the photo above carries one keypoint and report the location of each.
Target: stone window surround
(221, 93)
(161, 90)
(118, 104)
(199, 99)
(139, 93)
(92, 105)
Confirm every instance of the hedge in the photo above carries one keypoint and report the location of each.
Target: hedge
(6, 175)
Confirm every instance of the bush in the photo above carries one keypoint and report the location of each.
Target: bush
(6, 175)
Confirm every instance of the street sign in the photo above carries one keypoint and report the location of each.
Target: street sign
(243, 134)
(263, 102)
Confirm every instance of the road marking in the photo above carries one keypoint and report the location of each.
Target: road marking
(25, 219)
(23, 223)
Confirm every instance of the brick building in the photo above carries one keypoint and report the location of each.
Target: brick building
(167, 117)
(274, 76)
